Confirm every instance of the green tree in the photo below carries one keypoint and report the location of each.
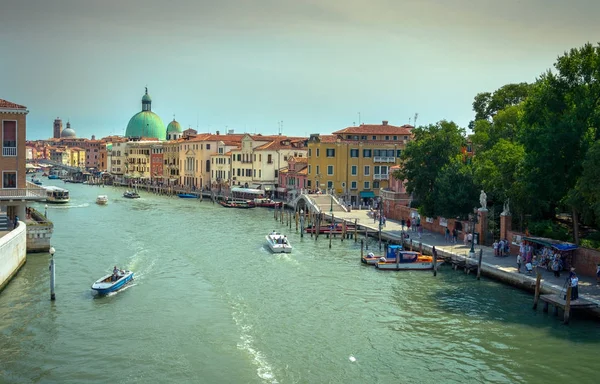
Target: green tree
(561, 117)
(486, 105)
(432, 147)
(455, 191)
(587, 190)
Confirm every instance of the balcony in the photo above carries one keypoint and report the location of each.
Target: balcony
(9, 151)
(384, 159)
(383, 176)
(31, 192)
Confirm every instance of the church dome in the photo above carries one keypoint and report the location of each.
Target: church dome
(174, 127)
(68, 132)
(146, 123)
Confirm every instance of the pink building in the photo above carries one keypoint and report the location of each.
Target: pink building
(293, 178)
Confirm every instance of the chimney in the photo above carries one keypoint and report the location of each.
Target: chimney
(384, 122)
(218, 133)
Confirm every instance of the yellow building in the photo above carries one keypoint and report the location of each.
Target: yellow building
(355, 161)
(76, 157)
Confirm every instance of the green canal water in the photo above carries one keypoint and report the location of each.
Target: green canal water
(211, 304)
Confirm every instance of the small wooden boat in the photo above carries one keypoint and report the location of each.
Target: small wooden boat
(278, 243)
(109, 283)
(102, 200)
(390, 255)
(408, 260)
(36, 181)
(237, 203)
(131, 195)
(187, 196)
(268, 203)
(53, 177)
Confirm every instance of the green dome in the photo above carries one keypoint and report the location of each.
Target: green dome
(174, 127)
(146, 124)
(146, 98)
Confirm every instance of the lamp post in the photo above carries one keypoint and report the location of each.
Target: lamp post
(46, 211)
(52, 274)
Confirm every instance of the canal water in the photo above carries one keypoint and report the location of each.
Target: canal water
(211, 304)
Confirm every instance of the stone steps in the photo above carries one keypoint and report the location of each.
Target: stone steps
(4, 223)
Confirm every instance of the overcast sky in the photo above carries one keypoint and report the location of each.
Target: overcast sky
(247, 65)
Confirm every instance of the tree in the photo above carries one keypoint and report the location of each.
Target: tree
(430, 150)
(587, 190)
(486, 105)
(562, 117)
(456, 193)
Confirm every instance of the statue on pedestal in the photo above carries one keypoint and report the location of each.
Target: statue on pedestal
(483, 200)
(506, 211)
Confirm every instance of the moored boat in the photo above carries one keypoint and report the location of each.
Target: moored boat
(237, 203)
(102, 200)
(268, 203)
(53, 177)
(131, 195)
(187, 196)
(278, 243)
(112, 282)
(36, 181)
(408, 260)
(373, 259)
(337, 229)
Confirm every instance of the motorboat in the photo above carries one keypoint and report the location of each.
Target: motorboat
(407, 260)
(187, 196)
(237, 203)
(53, 177)
(102, 200)
(36, 181)
(372, 259)
(278, 243)
(131, 195)
(112, 282)
(268, 203)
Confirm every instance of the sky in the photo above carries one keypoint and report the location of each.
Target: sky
(261, 66)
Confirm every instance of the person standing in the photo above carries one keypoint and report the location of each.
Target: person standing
(447, 235)
(403, 222)
(455, 235)
(495, 246)
(556, 267)
(408, 225)
(519, 262)
(574, 286)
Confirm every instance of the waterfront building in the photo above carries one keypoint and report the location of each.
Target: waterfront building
(272, 157)
(137, 165)
(117, 159)
(77, 157)
(245, 166)
(60, 155)
(395, 196)
(292, 179)
(354, 162)
(156, 162)
(171, 161)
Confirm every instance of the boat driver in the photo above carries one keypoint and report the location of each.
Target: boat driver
(115, 273)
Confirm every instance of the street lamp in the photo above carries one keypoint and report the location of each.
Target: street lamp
(380, 206)
(46, 211)
(473, 217)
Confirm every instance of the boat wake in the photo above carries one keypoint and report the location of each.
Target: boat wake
(125, 287)
(68, 206)
(246, 343)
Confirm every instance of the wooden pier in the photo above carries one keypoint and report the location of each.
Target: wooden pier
(561, 300)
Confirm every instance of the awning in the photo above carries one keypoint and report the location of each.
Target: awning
(268, 188)
(367, 194)
(556, 244)
(281, 189)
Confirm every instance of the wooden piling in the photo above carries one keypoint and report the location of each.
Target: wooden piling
(355, 230)
(536, 295)
(366, 238)
(297, 218)
(434, 251)
(567, 315)
(331, 230)
(343, 230)
(362, 245)
(479, 264)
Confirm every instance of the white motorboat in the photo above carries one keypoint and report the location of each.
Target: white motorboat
(102, 200)
(278, 243)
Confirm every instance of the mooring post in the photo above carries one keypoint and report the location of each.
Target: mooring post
(355, 230)
(411, 245)
(362, 245)
(297, 217)
(420, 247)
(52, 274)
(434, 252)
(536, 295)
(479, 264)
(567, 316)
(343, 229)
(331, 230)
(366, 238)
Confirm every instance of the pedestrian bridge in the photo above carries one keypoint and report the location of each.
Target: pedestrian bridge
(317, 203)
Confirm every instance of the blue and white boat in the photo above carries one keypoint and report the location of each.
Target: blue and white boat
(106, 284)
(187, 196)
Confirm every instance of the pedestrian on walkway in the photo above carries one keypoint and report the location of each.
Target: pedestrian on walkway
(455, 235)
(403, 222)
(519, 261)
(447, 235)
(495, 246)
(529, 267)
(408, 225)
(556, 267)
(574, 286)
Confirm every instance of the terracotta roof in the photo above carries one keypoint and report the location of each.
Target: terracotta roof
(301, 159)
(327, 138)
(377, 129)
(10, 105)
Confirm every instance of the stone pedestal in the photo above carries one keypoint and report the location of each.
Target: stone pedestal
(505, 226)
(482, 225)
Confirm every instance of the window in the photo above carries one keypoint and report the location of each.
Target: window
(330, 184)
(207, 147)
(363, 137)
(367, 185)
(367, 170)
(9, 179)
(330, 170)
(384, 170)
(387, 137)
(9, 138)
(353, 185)
(309, 170)
(354, 153)
(375, 184)
(318, 152)
(398, 153)
(269, 159)
(376, 170)
(366, 153)
(395, 137)
(276, 173)
(353, 170)
(318, 170)
(309, 152)
(374, 137)
(330, 152)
